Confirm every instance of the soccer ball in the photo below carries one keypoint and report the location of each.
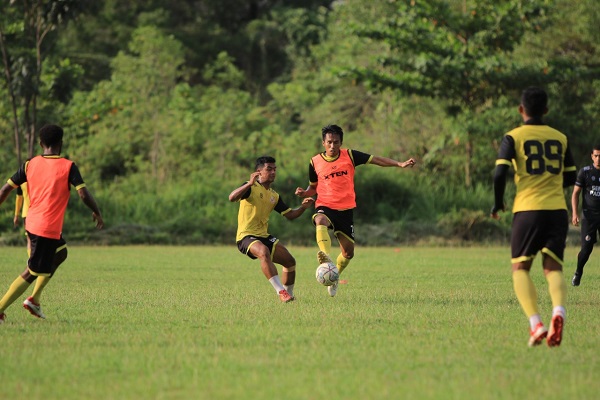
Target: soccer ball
(327, 274)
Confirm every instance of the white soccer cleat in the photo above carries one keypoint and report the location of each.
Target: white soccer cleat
(332, 290)
(537, 335)
(35, 309)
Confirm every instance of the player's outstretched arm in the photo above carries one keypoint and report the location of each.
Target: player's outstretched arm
(296, 212)
(388, 162)
(308, 192)
(5, 191)
(90, 202)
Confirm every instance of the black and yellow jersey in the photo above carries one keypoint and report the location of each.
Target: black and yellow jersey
(255, 206)
(540, 156)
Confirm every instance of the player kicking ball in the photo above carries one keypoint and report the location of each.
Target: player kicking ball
(331, 178)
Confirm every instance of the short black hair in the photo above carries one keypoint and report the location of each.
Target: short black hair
(596, 147)
(260, 161)
(535, 101)
(332, 129)
(51, 135)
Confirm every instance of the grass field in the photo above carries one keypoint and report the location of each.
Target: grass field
(203, 323)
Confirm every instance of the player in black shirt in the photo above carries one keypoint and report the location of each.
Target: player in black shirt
(588, 182)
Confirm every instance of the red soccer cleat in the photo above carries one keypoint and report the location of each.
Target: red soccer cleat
(555, 333)
(285, 296)
(537, 335)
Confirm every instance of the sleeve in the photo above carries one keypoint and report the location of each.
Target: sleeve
(570, 170)
(312, 174)
(281, 207)
(359, 158)
(580, 180)
(246, 193)
(75, 178)
(19, 178)
(507, 151)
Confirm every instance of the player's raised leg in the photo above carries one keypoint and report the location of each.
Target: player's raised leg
(16, 289)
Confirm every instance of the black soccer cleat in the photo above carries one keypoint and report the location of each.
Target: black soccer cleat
(576, 279)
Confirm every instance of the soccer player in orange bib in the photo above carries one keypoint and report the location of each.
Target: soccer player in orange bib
(32, 303)
(48, 178)
(331, 178)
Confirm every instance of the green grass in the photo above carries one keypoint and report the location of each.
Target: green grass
(203, 323)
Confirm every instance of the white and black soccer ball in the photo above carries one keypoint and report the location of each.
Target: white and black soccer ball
(327, 274)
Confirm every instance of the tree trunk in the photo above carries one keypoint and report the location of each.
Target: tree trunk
(13, 100)
(468, 160)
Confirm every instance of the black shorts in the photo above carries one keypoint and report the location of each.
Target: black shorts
(247, 241)
(341, 221)
(542, 230)
(43, 249)
(590, 228)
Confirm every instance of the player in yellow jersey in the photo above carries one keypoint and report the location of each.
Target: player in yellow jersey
(331, 178)
(257, 199)
(543, 166)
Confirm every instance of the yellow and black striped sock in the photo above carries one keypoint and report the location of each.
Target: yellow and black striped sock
(342, 262)
(323, 239)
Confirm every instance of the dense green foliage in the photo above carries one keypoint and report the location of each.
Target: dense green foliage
(166, 104)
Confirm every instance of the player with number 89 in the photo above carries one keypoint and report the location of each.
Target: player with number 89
(543, 165)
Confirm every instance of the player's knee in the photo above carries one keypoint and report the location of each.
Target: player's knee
(289, 269)
(27, 276)
(290, 261)
(261, 252)
(321, 220)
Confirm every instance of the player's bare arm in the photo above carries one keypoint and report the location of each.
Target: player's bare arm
(388, 162)
(311, 190)
(575, 205)
(239, 192)
(5, 191)
(90, 202)
(296, 212)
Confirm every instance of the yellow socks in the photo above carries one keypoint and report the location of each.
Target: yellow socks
(323, 239)
(342, 262)
(40, 284)
(557, 288)
(16, 289)
(525, 291)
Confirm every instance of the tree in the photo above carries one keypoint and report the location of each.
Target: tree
(122, 123)
(25, 29)
(461, 55)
